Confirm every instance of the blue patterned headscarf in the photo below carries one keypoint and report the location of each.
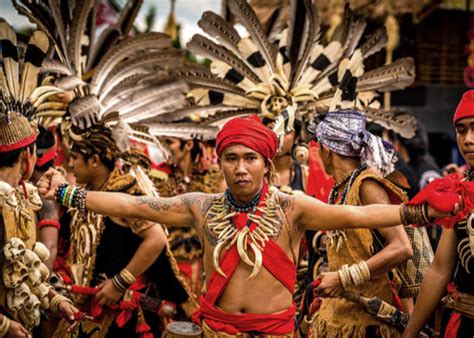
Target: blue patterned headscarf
(345, 133)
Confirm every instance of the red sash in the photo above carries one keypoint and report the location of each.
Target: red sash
(276, 262)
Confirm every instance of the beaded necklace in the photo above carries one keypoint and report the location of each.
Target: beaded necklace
(248, 207)
(347, 181)
(336, 237)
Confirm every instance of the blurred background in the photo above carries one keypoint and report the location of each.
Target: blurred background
(439, 35)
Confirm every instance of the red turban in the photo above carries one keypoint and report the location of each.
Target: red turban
(249, 132)
(465, 107)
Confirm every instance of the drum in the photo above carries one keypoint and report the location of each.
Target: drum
(182, 330)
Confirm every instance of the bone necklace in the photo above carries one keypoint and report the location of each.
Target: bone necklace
(466, 245)
(222, 227)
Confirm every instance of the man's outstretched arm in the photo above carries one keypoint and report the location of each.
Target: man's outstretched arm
(312, 214)
(178, 211)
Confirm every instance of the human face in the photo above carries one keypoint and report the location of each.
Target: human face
(244, 170)
(83, 170)
(465, 139)
(177, 151)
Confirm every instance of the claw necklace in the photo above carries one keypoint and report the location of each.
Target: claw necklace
(221, 225)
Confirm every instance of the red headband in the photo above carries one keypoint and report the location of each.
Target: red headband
(249, 132)
(47, 156)
(465, 107)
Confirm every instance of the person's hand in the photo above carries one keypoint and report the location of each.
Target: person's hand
(68, 310)
(17, 330)
(330, 285)
(108, 293)
(433, 213)
(49, 182)
(451, 169)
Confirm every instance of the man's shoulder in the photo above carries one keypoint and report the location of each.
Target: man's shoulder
(286, 201)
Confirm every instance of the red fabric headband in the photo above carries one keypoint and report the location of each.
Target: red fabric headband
(47, 156)
(465, 107)
(249, 132)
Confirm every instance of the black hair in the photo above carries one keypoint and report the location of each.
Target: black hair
(195, 150)
(108, 163)
(10, 158)
(417, 146)
(45, 140)
(297, 125)
(45, 167)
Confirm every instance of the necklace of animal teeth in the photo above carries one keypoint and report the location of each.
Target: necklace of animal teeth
(221, 225)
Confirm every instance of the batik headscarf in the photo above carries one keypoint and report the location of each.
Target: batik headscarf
(345, 133)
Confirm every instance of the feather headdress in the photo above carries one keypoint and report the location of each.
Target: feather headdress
(118, 80)
(21, 98)
(253, 74)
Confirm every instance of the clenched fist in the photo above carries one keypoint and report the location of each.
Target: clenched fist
(49, 182)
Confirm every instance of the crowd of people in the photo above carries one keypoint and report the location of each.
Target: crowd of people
(283, 204)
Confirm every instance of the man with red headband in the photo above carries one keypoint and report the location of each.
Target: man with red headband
(452, 270)
(25, 292)
(250, 233)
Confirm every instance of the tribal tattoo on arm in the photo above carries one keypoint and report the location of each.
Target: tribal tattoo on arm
(189, 206)
(154, 203)
(287, 203)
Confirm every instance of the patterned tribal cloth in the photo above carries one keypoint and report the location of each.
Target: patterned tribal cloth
(345, 133)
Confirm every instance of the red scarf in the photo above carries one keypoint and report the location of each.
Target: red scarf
(443, 193)
(276, 262)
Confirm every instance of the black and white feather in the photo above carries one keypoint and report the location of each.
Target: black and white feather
(301, 69)
(20, 89)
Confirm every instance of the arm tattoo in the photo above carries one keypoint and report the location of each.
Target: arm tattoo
(206, 204)
(188, 201)
(153, 203)
(287, 203)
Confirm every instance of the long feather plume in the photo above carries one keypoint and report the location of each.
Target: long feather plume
(191, 113)
(164, 59)
(55, 66)
(58, 23)
(128, 15)
(311, 27)
(184, 130)
(203, 46)
(34, 56)
(395, 76)
(77, 33)
(125, 49)
(218, 28)
(9, 49)
(348, 75)
(246, 16)
(403, 124)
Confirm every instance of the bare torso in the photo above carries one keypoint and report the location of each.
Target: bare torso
(262, 294)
